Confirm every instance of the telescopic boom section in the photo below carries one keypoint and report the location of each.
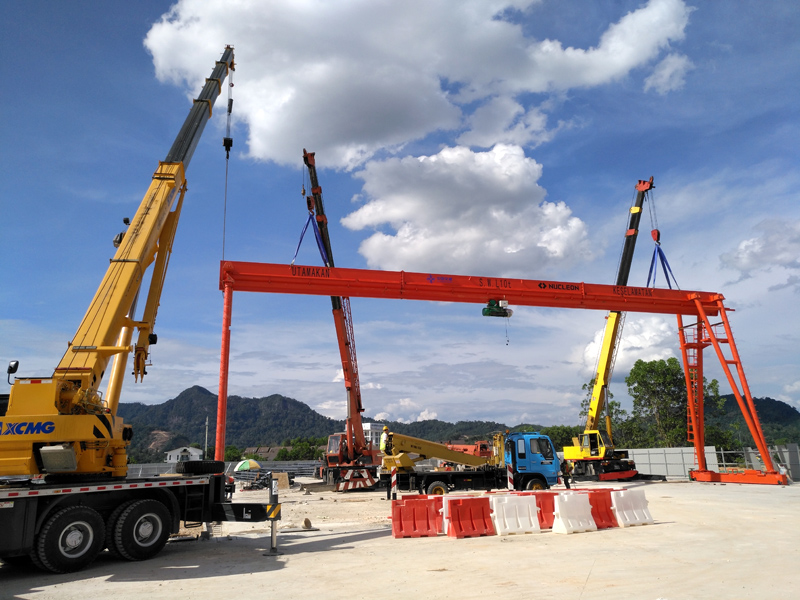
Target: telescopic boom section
(343, 322)
(615, 319)
(106, 330)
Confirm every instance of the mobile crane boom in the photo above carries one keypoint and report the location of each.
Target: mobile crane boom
(351, 450)
(615, 318)
(62, 423)
(593, 453)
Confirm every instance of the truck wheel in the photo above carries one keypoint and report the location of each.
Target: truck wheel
(111, 525)
(200, 467)
(437, 488)
(70, 539)
(536, 484)
(141, 530)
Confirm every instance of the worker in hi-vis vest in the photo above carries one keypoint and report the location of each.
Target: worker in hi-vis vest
(384, 438)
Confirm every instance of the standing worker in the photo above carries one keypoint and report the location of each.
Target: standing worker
(566, 470)
(384, 438)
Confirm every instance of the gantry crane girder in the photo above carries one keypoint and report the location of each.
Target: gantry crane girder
(365, 283)
(698, 306)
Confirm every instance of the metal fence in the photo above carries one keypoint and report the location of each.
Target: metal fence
(786, 459)
(675, 463)
(150, 470)
(301, 468)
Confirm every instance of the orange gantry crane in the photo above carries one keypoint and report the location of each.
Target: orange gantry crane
(695, 335)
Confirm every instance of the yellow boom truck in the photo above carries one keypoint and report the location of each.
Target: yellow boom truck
(521, 461)
(64, 491)
(592, 454)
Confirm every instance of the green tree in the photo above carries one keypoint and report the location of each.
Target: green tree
(283, 454)
(658, 389)
(561, 435)
(232, 454)
(302, 449)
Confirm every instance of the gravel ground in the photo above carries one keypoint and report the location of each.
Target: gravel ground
(708, 541)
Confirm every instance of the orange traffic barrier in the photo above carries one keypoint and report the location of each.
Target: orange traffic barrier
(470, 517)
(546, 503)
(602, 512)
(415, 518)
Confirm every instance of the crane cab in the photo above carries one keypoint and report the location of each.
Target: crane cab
(593, 454)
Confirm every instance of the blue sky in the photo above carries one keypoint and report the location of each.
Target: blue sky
(478, 137)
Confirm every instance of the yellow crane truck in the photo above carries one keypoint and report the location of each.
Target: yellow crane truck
(64, 491)
(592, 453)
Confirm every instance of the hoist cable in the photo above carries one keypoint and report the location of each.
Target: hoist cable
(227, 143)
(225, 209)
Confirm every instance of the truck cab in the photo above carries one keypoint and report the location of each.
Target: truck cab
(533, 460)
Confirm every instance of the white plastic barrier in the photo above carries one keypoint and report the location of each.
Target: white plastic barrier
(514, 514)
(573, 514)
(445, 510)
(630, 508)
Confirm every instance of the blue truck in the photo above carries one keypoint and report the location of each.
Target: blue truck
(520, 460)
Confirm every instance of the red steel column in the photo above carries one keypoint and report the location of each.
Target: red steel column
(224, 359)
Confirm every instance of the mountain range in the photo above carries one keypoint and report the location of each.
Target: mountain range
(272, 420)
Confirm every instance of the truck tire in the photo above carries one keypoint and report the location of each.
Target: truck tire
(111, 525)
(70, 539)
(142, 529)
(536, 484)
(200, 467)
(437, 488)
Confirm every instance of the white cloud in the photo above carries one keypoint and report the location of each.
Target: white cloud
(777, 247)
(365, 385)
(354, 78)
(405, 410)
(465, 211)
(669, 75)
(502, 120)
(426, 415)
(645, 338)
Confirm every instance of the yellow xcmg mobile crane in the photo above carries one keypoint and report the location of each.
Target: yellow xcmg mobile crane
(63, 423)
(592, 453)
(63, 427)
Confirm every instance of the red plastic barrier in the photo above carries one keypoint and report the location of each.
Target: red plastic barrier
(600, 501)
(546, 503)
(470, 517)
(416, 518)
(438, 504)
